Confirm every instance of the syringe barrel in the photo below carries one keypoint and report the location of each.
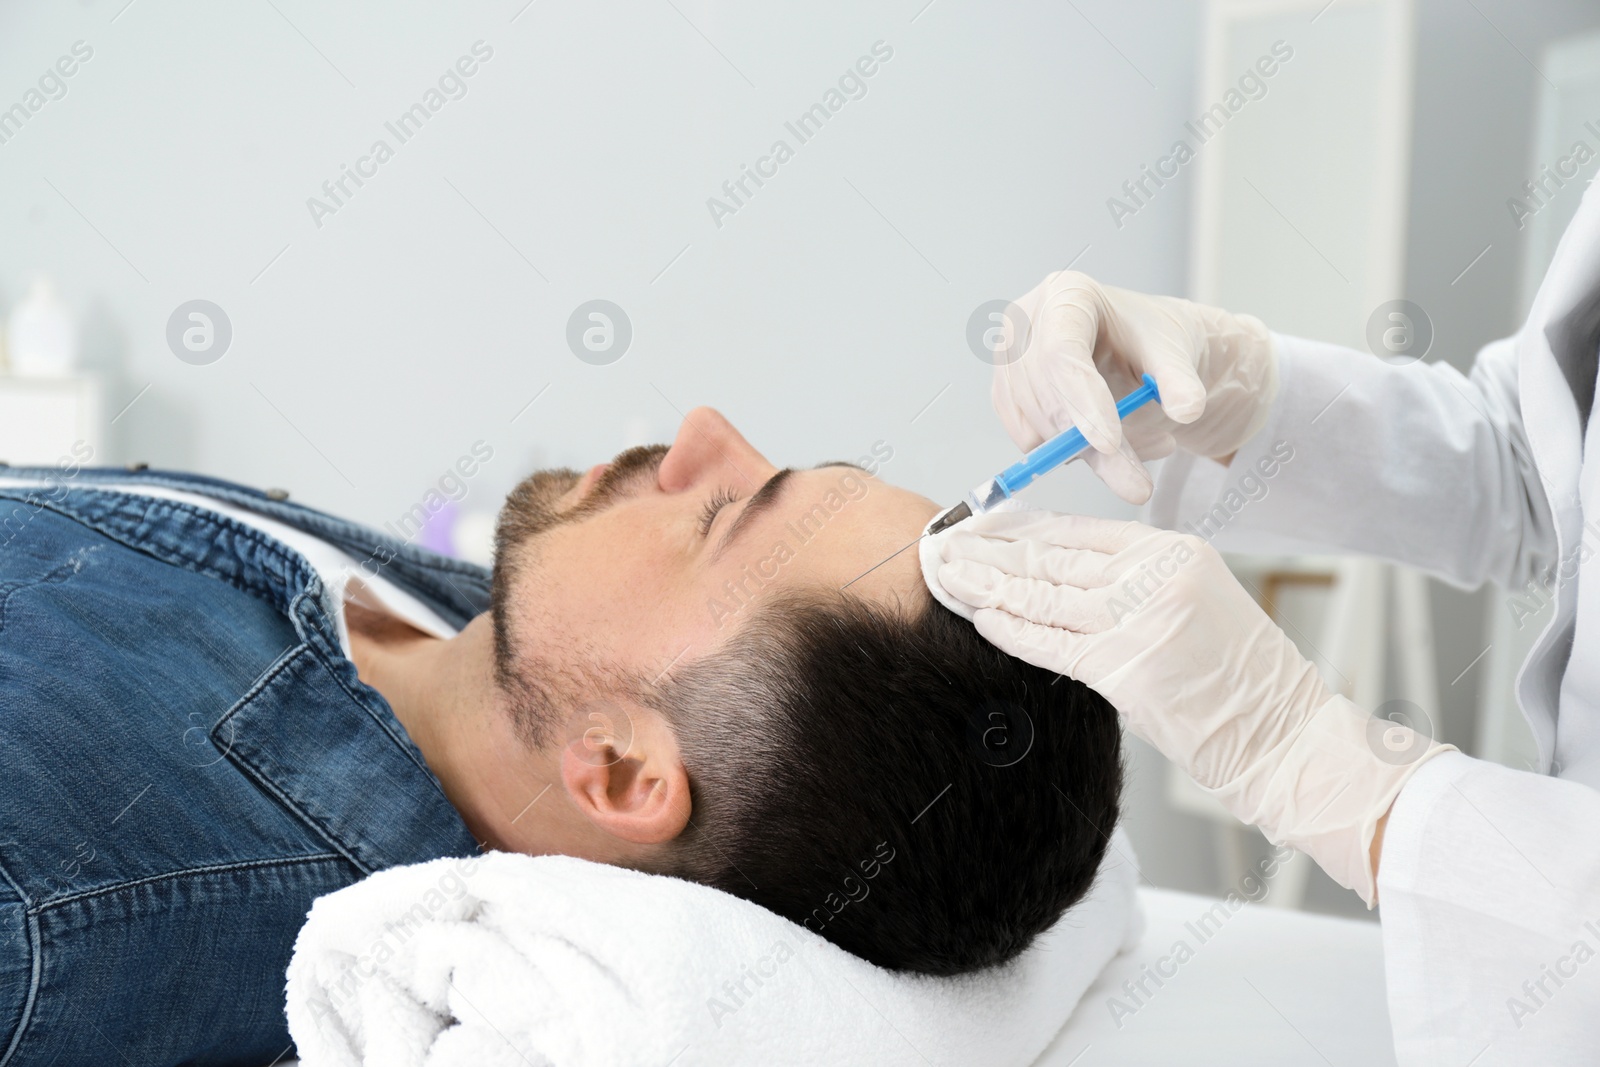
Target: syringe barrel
(1067, 444)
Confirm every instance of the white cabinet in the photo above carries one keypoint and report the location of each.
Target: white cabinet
(43, 420)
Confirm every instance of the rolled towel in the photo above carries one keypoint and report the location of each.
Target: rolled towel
(546, 961)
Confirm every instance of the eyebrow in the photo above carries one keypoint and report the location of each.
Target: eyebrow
(763, 500)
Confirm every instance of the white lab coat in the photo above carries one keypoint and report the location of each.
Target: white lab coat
(1489, 885)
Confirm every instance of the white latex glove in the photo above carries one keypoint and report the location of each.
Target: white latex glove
(1156, 623)
(1088, 344)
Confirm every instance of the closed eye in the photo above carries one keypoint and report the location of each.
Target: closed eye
(708, 514)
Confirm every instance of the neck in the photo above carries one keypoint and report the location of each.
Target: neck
(444, 694)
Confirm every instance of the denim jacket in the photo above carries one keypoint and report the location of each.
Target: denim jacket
(187, 760)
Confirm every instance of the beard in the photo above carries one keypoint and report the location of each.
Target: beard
(532, 507)
(533, 684)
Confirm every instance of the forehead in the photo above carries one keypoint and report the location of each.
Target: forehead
(834, 523)
(637, 581)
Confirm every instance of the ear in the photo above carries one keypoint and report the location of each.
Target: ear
(623, 771)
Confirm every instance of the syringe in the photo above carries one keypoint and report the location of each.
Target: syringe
(1054, 452)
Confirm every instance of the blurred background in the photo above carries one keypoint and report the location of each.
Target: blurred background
(334, 250)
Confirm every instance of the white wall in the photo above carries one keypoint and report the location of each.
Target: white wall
(375, 349)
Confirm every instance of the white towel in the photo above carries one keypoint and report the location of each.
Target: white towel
(551, 961)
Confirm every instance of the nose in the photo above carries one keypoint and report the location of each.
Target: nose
(708, 447)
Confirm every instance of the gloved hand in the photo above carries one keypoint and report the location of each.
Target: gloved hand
(1088, 344)
(1156, 623)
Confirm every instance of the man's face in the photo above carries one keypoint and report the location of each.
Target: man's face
(661, 555)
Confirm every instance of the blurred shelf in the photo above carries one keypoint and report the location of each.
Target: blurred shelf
(44, 420)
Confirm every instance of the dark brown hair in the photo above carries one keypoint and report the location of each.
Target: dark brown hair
(892, 781)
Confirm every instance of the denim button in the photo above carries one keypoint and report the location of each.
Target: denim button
(138, 466)
(277, 494)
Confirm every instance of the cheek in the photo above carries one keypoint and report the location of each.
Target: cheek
(615, 593)
(588, 577)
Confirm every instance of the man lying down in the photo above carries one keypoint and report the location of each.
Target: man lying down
(216, 706)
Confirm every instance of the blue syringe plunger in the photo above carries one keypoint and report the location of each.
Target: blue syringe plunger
(1048, 456)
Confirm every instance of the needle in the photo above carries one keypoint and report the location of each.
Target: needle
(880, 563)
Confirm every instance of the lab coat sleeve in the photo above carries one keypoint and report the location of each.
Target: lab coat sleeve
(1413, 463)
(1489, 890)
